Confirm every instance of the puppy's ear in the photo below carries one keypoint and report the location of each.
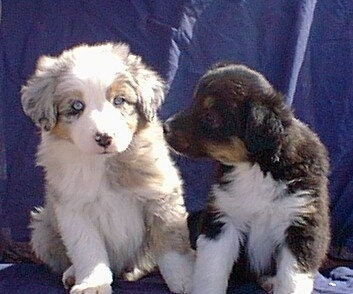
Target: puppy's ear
(37, 95)
(149, 87)
(263, 130)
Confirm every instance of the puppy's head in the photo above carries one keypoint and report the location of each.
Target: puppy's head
(96, 97)
(236, 116)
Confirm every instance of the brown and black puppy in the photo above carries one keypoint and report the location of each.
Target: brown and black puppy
(272, 199)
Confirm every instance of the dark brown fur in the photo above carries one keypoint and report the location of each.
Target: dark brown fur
(237, 116)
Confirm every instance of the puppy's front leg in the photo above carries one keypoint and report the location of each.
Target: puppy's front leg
(290, 279)
(215, 257)
(177, 270)
(170, 242)
(87, 252)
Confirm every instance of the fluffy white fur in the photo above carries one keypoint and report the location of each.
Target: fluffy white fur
(211, 268)
(114, 206)
(289, 279)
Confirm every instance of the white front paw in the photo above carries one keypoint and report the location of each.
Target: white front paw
(88, 289)
(98, 281)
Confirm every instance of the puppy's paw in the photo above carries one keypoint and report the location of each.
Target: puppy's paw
(267, 283)
(97, 282)
(88, 289)
(177, 271)
(134, 275)
(68, 277)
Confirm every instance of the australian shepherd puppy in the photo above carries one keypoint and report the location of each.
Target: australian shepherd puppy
(114, 199)
(271, 202)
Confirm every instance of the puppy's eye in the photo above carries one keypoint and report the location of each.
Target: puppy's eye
(118, 100)
(77, 106)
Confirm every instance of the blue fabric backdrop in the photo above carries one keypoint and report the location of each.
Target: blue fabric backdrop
(304, 47)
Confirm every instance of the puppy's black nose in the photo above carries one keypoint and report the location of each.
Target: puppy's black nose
(103, 139)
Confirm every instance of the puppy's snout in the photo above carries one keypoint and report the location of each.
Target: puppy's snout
(171, 125)
(103, 139)
(166, 127)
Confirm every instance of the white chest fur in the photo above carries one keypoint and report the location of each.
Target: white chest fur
(260, 208)
(80, 186)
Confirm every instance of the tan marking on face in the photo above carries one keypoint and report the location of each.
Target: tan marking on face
(122, 87)
(133, 123)
(228, 153)
(208, 102)
(62, 131)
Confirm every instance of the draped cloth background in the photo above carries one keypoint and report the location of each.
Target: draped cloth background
(304, 47)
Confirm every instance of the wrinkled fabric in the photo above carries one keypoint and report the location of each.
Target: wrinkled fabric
(34, 279)
(339, 280)
(304, 47)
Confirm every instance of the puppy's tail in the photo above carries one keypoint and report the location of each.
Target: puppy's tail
(46, 241)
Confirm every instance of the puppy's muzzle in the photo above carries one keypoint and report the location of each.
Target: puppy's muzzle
(166, 127)
(176, 135)
(173, 124)
(103, 139)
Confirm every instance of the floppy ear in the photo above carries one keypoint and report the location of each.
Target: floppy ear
(150, 87)
(37, 95)
(263, 130)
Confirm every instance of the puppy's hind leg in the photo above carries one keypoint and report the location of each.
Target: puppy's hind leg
(46, 241)
(144, 265)
(68, 278)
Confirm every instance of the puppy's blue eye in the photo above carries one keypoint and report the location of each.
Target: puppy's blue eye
(77, 105)
(118, 100)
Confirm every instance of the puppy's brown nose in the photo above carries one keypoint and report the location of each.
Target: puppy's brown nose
(103, 139)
